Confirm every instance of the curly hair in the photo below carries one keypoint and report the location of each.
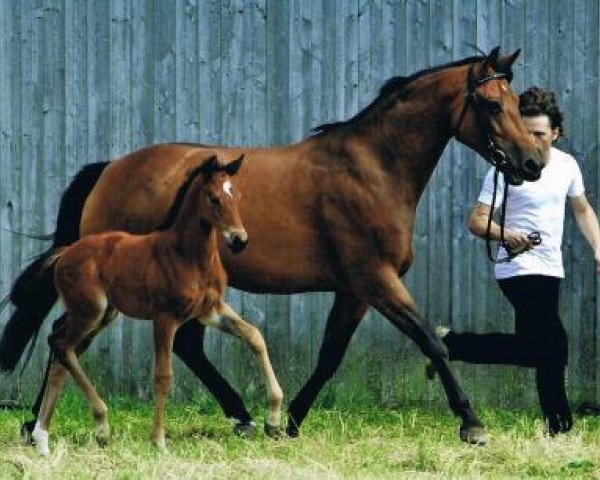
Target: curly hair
(537, 101)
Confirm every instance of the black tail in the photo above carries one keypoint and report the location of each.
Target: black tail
(33, 293)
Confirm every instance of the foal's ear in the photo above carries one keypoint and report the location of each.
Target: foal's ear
(492, 59)
(233, 167)
(210, 166)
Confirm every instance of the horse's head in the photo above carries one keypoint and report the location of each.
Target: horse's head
(219, 202)
(487, 119)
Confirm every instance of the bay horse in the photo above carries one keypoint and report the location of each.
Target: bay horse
(334, 212)
(171, 276)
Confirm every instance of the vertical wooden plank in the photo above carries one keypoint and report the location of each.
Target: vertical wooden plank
(11, 81)
(98, 78)
(142, 73)
(164, 72)
(120, 333)
(589, 49)
(537, 39)
(209, 102)
(303, 85)
(141, 112)
(278, 131)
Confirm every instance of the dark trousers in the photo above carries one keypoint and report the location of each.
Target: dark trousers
(539, 341)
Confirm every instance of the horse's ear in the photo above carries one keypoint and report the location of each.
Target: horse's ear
(233, 167)
(210, 165)
(506, 61)
(492, 59)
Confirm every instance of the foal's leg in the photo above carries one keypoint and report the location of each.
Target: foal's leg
(165, 327)
(232, 323)
(345, 315)
(189, 348)
(389, 295)
(68, 345)
(55, 379)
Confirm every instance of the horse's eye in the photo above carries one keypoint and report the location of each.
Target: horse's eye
(212, 200)
(494, 108)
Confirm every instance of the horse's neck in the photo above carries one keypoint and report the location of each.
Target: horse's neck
(410, 137)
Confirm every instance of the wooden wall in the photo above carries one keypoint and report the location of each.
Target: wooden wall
(85, 81)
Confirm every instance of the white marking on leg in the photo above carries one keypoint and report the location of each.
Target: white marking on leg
(212, 320)
(40, 438)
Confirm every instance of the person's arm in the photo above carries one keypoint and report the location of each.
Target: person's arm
(478, 222)
(588, 224)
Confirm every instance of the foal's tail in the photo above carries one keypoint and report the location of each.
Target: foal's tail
(33, 294)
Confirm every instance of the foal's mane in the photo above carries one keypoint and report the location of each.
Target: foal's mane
(392, 90)
(179, 198)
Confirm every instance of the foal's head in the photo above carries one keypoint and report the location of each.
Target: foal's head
(218, 202)
(487, 119)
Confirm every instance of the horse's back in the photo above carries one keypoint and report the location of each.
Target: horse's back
(286, 250)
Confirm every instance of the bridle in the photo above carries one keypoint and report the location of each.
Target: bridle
(497, 158)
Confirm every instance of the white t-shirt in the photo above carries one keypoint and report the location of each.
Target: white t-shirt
(540, 206)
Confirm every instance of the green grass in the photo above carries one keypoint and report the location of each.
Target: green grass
(353, 442)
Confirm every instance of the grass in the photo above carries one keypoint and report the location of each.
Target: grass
(356, 443)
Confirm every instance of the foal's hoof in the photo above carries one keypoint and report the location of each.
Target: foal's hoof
(273, 431)
(26, 430)
(245, 429)
(102, 435)
(475, 434)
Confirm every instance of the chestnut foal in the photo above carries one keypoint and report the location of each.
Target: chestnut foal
(171, 275)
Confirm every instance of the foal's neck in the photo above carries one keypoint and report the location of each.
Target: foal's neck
(192, 237)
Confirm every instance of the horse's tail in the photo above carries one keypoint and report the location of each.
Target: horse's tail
(33, 293)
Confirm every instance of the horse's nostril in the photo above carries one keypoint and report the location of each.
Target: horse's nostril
(532, 167)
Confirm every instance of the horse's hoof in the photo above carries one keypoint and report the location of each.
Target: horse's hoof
(26, 431)
(273, 431)
(474, 435)
(292, 429)
(245, 429)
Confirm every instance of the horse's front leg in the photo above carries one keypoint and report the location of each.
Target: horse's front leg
(233, 324)
(391, 298)
(344, 317)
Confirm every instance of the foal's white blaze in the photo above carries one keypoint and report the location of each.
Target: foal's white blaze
(227, 186)
(40, 438)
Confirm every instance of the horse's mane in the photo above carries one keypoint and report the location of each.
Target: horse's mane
(179, 198)
(393, 89)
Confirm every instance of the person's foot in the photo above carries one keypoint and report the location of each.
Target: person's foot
(430, 370)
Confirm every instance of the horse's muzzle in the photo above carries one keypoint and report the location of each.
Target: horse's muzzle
(236, 240)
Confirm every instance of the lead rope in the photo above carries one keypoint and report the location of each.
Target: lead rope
(502, 220)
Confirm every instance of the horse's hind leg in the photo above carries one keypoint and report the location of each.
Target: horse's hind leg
(232, 323)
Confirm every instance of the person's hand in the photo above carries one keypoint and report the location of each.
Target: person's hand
(517, 241)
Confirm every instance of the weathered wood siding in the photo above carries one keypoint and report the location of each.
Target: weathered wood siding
(84, 81)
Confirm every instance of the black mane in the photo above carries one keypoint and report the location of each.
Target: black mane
(393, 89)
(176, 206)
